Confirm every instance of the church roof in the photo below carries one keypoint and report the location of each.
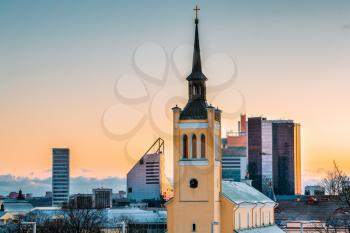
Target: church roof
(239, 192)
(195, 109)
(264, 229)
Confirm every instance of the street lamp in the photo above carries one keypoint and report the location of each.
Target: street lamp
(213, 223)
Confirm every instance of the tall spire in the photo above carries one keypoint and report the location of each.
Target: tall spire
(196, 65)
(196, 107)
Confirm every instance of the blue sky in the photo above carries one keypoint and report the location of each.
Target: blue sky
(59, 62)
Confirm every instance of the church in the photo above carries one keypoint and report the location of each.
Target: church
(202, 202)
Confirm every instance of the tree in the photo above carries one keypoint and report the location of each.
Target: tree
(69, 220)
(337, 185)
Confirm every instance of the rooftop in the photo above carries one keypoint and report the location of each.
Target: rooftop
(266, 229)
(239, 193)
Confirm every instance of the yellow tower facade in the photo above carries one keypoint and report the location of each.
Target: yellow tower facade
(195, 206)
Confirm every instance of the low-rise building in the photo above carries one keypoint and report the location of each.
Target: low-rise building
(314, 190)
(102, 198)
(81, 201)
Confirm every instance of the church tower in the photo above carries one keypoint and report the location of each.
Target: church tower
(195, 206)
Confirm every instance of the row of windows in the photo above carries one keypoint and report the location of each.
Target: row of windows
(152, 182)
(250, 223)
(193, 145)
(149, 162)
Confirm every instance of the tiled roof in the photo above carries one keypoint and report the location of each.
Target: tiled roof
(239, 192)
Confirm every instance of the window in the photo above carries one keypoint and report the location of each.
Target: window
(185, 147)
(248, 222)
(129, 190)
(193, 183)
(217, 148)
(196, 90)
(194, 146)
(256, 219)
(202, 146)
(262, 218)
(193, 227)
(269, 218)
(239, 220)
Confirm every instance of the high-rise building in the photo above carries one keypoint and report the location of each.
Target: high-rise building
(274, 156)
(102, 198)
(260, 154)
(146, 181)
(60, 176)
(286, 157)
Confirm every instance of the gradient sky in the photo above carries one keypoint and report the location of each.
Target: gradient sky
(60, 62)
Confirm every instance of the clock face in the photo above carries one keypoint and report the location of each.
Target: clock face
(193, 183)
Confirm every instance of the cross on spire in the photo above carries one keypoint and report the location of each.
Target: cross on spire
(196, 10)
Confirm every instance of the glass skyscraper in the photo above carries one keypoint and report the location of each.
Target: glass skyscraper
(60, 176)
(274, 156)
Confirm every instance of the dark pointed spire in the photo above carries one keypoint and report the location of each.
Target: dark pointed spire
(196, 107)
(196, 64)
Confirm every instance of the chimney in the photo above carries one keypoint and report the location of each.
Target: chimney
(243, 123)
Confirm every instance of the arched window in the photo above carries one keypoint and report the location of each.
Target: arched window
(185, 147)
(194, 146)
(196, 88)
(202, 146)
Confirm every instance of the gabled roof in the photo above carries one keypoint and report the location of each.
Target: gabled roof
(239, 193)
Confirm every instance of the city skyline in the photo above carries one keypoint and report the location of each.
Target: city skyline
(58, 91)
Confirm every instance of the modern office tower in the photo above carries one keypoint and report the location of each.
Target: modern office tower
(274, 156)
(102, 198)
(146, 181)
(81, 201)
(286, 157)
(60, 176)
(260, 154)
